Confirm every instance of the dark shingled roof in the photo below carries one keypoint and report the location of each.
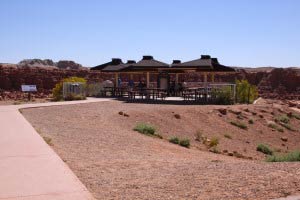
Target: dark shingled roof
(205, 63)
(118, 67)
(113, 62)
(147, 63)
(221, 68)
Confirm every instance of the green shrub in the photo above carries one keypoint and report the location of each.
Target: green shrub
(223, 96)
(283, 118)
(296, 116)
(239, 124)
(274, 126)
(289, 157)
(227, 136)
(145, 129)
(264, 149)
(213, 142)
(185, 143)
(246, 93)
(181, 142)
(57, 91)
(287, 126)
(174, 140)
(251, 121)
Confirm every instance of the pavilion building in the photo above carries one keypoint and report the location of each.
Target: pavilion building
(148, 67)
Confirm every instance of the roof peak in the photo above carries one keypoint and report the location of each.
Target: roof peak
(205, 57)
(147, 57)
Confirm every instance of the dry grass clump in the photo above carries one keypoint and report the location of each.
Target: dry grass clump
(48, 140)
(275, 127)
(147, 129)
(296, 116)
(182, 142)
(174, 140)
(283, 118)
(227, 136)
(239, 124)
(284, 121)
(200, 137)
(287, 126)
(213, 142)
(289, 157)
(264, 149)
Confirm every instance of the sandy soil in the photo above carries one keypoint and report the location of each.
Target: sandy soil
(18, 102)
(115, 162)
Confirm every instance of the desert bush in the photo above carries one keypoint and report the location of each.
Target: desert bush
(184, 143)
(181, 142)
(287, 126)
(283, 118)
(251, 121)
(246, 93)
(264, 149)
(293, 156)
(223, 96)
(227, 136)
(57, 91)
(274, 126)
(174, 140)
(145, 129)
(296, 116)
(239, 124)
(213, 142)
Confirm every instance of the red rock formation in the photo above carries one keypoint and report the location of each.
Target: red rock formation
(279, 83)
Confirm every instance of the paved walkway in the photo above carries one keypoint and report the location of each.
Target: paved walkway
(29, 168)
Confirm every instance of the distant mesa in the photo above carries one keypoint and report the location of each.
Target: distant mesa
(48, 63)
(67, 64)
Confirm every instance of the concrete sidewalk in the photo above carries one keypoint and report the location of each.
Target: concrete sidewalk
(29, 168)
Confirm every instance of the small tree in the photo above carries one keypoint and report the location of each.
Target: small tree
(57, 91)
(246, 93)
(223, 96)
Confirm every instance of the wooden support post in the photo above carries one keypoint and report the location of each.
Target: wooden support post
(117, 79)
(176, 78)
(212, 77)
(148, 79)
(205, 77)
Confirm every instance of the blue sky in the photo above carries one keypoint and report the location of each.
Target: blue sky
(238, 32)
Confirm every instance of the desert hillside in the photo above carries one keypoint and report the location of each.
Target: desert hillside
(99, 144)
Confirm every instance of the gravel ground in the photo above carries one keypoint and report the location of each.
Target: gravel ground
(115, 162)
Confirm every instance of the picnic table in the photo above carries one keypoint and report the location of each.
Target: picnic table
(196, 93)
(148, 93)
(133, 93)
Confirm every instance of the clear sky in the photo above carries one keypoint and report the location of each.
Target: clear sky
(91, 32)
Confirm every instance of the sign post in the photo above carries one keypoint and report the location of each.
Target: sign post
(29, 89)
